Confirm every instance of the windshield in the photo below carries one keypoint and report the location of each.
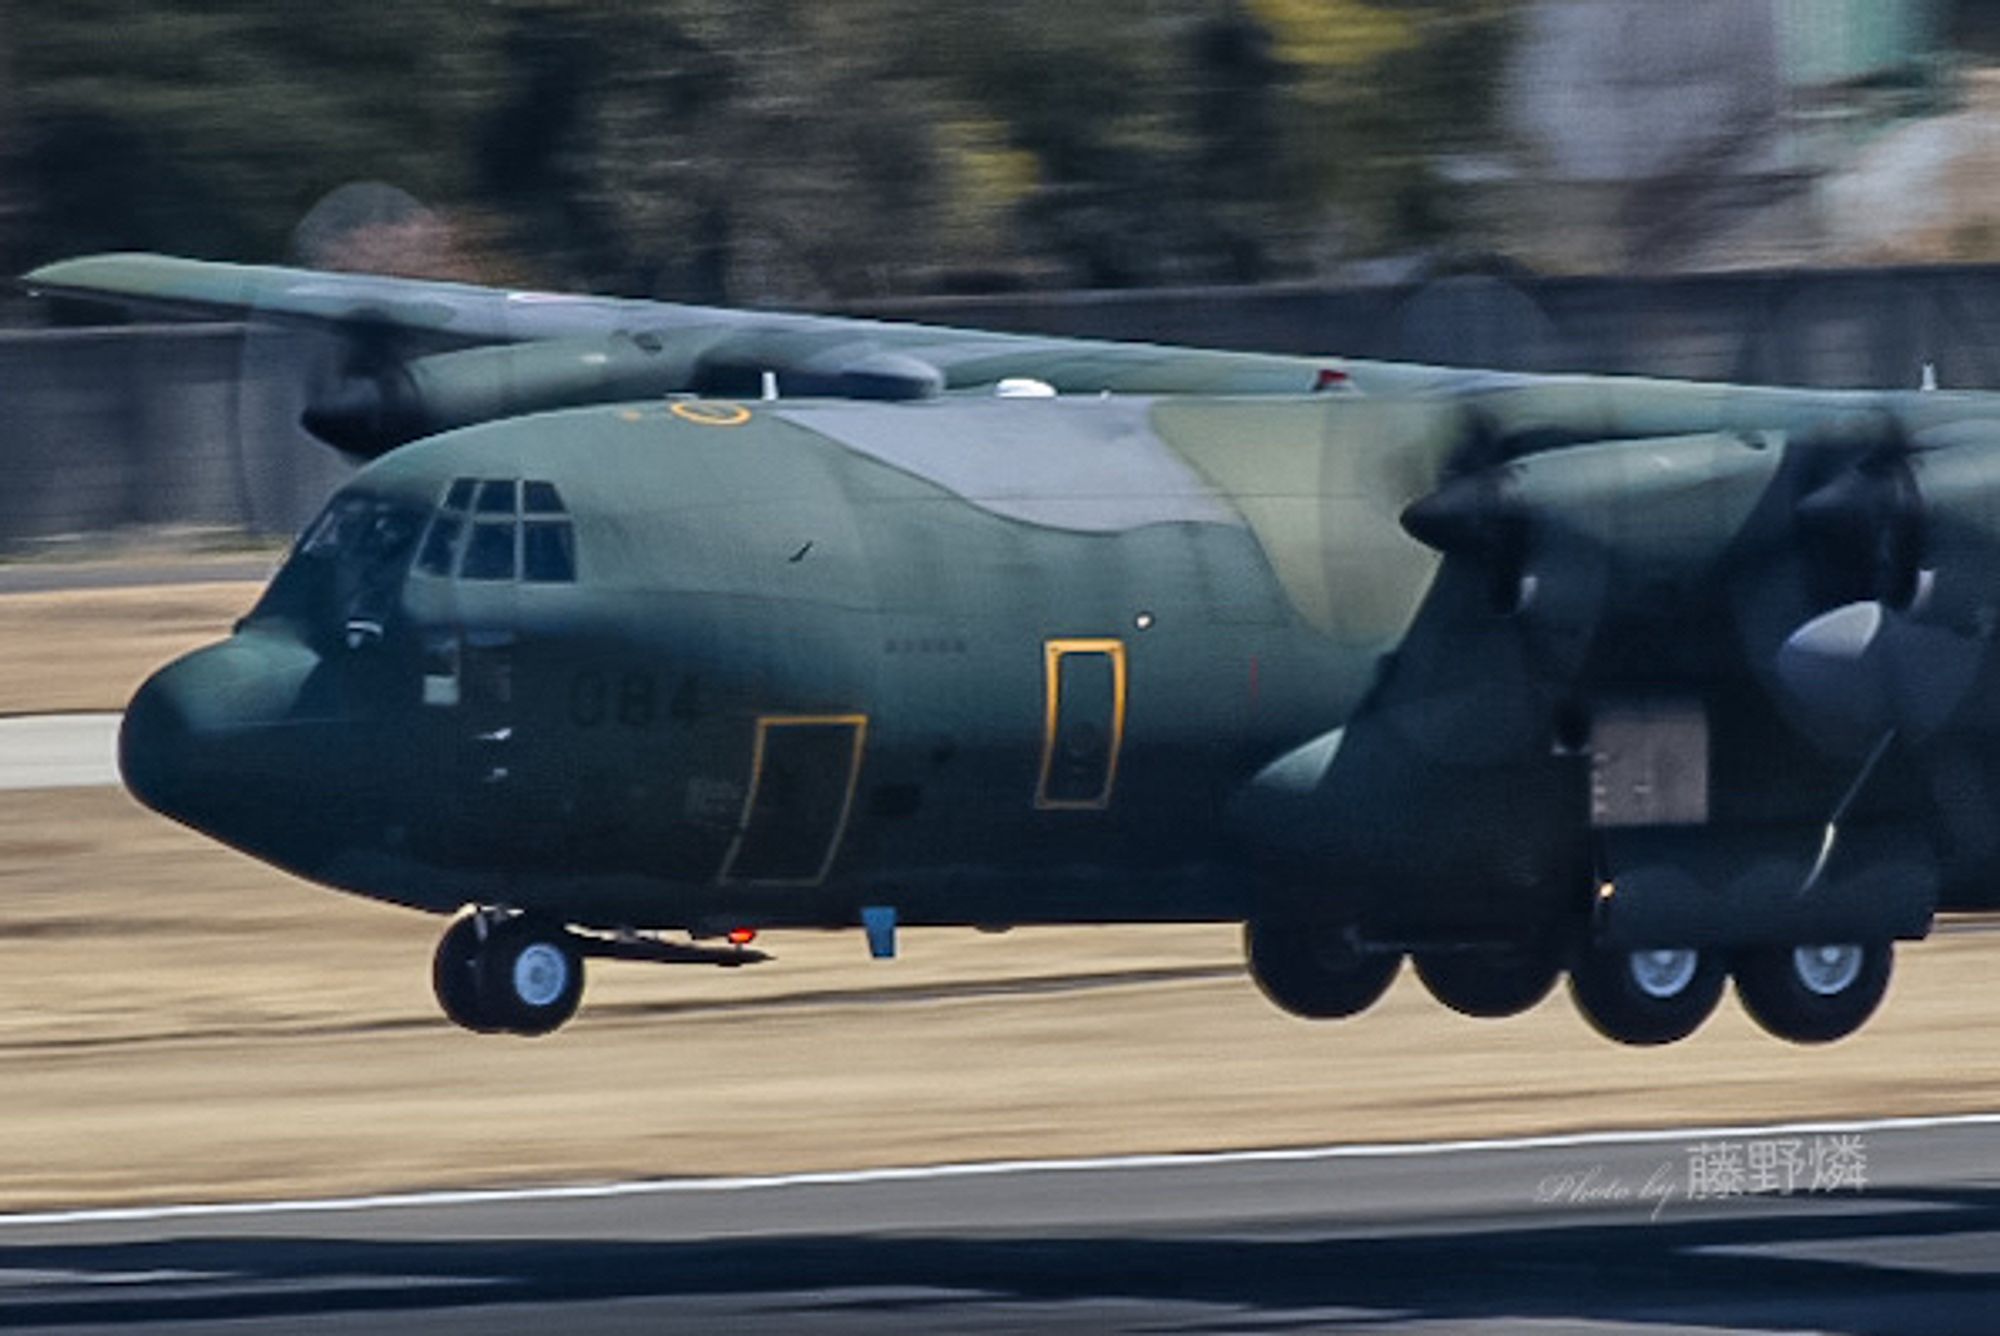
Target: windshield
(347, 566)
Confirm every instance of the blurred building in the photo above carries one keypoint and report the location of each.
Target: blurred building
(1729, 133)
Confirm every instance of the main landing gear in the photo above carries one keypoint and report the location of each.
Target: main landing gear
(1647, 997)
(502, 973)
(1490, 982)
(1813, 994)
(1322, 972)
(1805, 994)
(1809, 994)
(1316, 970)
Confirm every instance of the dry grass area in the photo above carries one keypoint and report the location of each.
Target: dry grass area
(178, 1022)
(87, 649)
(182, 1023)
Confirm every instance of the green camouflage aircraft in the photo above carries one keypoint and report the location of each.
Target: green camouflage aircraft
(647, 619)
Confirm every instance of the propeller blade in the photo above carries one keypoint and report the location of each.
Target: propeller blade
(1863, 670)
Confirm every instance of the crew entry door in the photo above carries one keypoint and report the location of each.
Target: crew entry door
(471, 658)
(1083, 728)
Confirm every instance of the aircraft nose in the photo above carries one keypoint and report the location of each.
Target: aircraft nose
(153, 750)
(195, 734)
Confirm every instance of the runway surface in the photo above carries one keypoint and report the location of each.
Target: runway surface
(1632, 1232)
(51, 576)
(59, 751)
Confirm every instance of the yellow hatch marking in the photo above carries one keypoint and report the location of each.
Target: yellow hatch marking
(1053, 653)
(711, 414)
(765, 723)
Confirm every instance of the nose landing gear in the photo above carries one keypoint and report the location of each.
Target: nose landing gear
(515, 975)
(498, 972)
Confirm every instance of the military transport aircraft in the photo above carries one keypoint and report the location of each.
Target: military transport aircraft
(649, 619)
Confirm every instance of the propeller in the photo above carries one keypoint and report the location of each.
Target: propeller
(285, 368)
(1864, 669)
(1911, 536)
(1926, 525)
(1866, 527)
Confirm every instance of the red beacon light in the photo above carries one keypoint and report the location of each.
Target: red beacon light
(1332, 378)
(742, 936)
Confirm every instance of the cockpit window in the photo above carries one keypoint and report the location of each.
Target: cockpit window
(548, 552)
(496, 497)
(541, 498)
(371, 532)
(440, 545)
(349, 564)
(324, 535)
(490, 554)
(501, 529)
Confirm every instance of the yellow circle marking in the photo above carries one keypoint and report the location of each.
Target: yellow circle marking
(712, 414)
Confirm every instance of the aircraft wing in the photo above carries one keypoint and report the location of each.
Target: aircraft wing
(1724, 622)
(458, 353)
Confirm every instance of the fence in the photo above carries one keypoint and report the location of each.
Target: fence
(154, 426)
(1856, 327)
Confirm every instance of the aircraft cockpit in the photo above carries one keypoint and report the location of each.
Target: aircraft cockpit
(348, 568)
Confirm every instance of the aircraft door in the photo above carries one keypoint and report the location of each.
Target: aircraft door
(470, 659)
(802, 778)
(487, 720)
(1084, 724)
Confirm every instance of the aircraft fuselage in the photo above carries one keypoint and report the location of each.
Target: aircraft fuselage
(706, 665)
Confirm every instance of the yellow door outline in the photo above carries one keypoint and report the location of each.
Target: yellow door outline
(1053, 653)
(766, 723)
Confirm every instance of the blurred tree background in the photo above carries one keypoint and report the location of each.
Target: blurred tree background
(747, 151)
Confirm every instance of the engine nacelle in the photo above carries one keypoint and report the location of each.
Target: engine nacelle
(1566, 529)
(369, 415)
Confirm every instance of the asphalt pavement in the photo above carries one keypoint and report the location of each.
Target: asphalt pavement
(1852, 1228)
(43, 577)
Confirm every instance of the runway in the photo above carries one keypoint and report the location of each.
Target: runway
(57, 576)
(59, 751)
(1628, 1232)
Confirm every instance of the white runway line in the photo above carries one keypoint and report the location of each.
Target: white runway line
(657, 1187)
(59, 751)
